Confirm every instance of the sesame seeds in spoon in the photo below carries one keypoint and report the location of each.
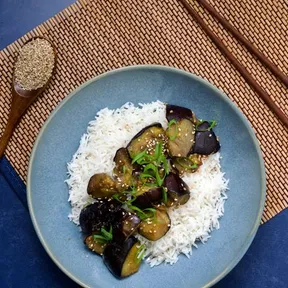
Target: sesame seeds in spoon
(33, 71)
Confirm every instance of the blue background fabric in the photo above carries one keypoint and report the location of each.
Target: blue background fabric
(23, 261)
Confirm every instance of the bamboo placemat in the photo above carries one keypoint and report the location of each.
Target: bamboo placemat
(95, 36)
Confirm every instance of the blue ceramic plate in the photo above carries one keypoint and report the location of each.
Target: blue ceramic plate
(59, 139)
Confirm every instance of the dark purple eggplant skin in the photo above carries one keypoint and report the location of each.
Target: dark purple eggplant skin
(206, 141)
(177, 113)
(126, 226)
(177, 188)
(115, 255)
(149, 198)
(100, 214)
(156, 124)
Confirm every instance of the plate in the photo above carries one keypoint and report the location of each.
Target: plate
(59, 139)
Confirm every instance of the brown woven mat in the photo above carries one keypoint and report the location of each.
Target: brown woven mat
(95, 36)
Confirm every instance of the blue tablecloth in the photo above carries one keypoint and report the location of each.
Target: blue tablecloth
(23, 261)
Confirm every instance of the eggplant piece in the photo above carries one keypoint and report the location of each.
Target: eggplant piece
(181, 138)
(186, 164)
(147, 139)
(123, 168)
(127, 226)
(177, 113)
(178, 191)
(206, 141)
(147, 196)
(102, 185)
(121, 258)
(93, 245)
(155, 228)
(100, 214)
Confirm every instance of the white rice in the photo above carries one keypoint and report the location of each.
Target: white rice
(191, 222)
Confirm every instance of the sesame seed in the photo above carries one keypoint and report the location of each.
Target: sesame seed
(35, 64)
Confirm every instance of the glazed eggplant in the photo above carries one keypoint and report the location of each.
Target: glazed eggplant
(187, 164)
(127, 226)
(100, 214)
(177, 189)
(178, 113)
(123, 169)
(156, 227)
(147, 196)
(122, 258)
(147, 139)
(206, 141)
(94, 245)
(102, 185)
(181, 138)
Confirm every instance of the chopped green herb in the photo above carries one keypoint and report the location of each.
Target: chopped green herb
(173, 122)
(192, 166)
(140, 253)
(124, 169)
(212, 124)
(164, 195)
(141, 213)
(104, 236)
(139, 156)
(127, 195)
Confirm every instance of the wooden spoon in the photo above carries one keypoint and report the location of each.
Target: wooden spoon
(21, 100)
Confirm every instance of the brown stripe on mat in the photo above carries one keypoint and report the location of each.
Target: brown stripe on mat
(96, 36)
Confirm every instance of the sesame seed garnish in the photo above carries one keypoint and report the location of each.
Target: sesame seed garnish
(35, 64)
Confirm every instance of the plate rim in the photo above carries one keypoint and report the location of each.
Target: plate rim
(242, 250)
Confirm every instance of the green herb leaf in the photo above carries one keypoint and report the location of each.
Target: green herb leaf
(124, 169)
(107, 234)
(150, 167)
(152, 210)
(139, 156)
(171, 122)
(100, 239)
(104, 236)
(150, 184)
(141, 214)
(164, 195)
(192, 166)
(145, 175)
(158, 149)
(165, 164)
(174, 135)
(212, 124)
(117, 197)
(140, 253)
(159, 180)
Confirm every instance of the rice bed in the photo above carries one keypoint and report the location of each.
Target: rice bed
(192, 222)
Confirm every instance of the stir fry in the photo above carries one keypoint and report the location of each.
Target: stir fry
(146, 182)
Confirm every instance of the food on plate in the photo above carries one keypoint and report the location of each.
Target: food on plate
(146, 188)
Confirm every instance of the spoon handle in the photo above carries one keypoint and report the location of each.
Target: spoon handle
(11, 124)
(18, 107)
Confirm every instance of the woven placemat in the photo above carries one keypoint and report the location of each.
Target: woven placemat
(95, 36)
